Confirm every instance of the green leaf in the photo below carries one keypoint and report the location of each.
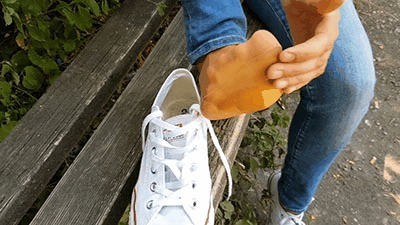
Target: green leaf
(82, 19)
(44, 27)
(5, 92)
(33, 78)
(69, 45)
(37, 6)
(51, 46)
(94, 7)
(253, 164)
(6, 129)
(10, 10)
(36, 33)
(280, 118)
(63, 6)
(228, 208)
(243, 222)
(53, 79)
(18, 23)
(5, 69)
(104, 6)
(9, 2)
(20, 60)
(47, 64)
(235, 173)
(70, 32)
(7, 18)
(161, 8)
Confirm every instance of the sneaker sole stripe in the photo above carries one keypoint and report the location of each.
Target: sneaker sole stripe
(134, 207)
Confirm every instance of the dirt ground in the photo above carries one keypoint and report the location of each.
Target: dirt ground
(363, 186)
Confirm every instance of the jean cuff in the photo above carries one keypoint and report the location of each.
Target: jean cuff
(214, 44)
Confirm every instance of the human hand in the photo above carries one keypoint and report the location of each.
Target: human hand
(306, 61)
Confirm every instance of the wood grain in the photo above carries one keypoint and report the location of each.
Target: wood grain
(96, 188)
(32, 153)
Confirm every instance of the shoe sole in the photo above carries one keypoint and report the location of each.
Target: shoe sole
(270, 179)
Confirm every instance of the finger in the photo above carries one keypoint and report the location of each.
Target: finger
(280, 70)
(288, 82)
(325, 35)
(312, 48)
(294, 88)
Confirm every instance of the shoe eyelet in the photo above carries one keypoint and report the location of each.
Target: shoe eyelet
(193, 185)
(194, 204)
(154, 151)
(149, 204)
(196, 131)
(153, 186)
(153, 170)
(184, 111)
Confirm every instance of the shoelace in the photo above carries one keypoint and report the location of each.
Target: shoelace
(180, 168)
(297, 219)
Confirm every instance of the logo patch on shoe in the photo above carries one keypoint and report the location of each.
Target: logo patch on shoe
(174, 138)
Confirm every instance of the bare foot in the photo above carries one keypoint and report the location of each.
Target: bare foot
(233, 81)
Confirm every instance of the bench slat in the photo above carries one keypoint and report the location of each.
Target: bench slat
(97, 187)
(32, 153)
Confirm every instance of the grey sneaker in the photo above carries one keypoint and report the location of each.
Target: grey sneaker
(278, 215)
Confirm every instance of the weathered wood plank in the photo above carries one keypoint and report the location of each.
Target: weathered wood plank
(97, 187)
(99, 182)
(32, 153)
(230, 134)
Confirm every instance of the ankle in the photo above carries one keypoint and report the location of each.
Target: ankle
(288, 210)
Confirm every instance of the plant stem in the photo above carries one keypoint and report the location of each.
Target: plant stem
(20, 89)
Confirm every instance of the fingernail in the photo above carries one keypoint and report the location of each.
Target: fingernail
(281, 84)
(288, 57)
(276, 74)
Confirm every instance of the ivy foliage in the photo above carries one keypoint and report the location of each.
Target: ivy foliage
(38, 40)
(263, 143)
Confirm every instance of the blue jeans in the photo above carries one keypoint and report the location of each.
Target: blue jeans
(331, 106)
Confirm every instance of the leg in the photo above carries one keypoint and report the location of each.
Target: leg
(330, 110)
(211, 25)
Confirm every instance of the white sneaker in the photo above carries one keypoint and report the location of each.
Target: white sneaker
(278, 215)
(174, 184)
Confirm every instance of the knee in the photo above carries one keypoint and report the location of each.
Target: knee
(358, 88)
(345, 89)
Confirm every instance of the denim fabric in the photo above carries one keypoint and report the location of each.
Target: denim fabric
(212, 24)
(331, 106)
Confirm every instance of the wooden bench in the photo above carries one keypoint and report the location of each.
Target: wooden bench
(97, 187)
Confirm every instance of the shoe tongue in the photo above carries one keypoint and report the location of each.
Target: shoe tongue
(180, 139)
(176, 212)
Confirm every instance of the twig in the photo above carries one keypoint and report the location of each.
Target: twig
(20, 89)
